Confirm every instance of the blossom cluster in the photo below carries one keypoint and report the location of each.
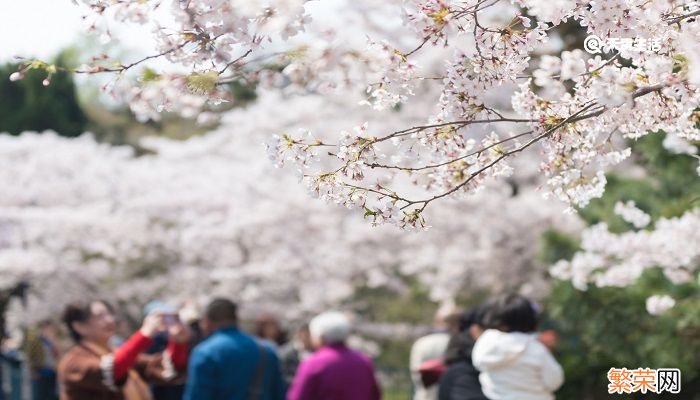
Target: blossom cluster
(611, 259)
(578, 110)
(631, 214)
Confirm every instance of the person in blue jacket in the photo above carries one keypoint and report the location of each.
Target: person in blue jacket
(230, 364)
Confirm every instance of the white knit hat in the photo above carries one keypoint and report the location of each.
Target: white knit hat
(331, 327)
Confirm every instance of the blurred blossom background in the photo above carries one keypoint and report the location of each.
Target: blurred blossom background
(98, 201)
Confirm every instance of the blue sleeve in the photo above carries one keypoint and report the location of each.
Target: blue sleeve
(201, 377)
(278, 386)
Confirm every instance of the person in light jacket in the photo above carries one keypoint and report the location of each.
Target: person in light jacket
(432, 347)
(514, 364)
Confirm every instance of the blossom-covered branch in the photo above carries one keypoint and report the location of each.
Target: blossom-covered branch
(475, 74)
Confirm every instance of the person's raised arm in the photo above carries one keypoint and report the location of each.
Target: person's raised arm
(124, 357)
(178, 348)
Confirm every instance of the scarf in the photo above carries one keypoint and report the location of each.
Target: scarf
(135, 388)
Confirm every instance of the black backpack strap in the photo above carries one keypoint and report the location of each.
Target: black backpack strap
(256, 388)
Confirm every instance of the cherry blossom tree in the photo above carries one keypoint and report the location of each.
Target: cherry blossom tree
(209, 216)
(483, 89)
(496, 76)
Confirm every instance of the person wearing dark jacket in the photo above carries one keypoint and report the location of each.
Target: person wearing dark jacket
(230, 364)
(461, 380)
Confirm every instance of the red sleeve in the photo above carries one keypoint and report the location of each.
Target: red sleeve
(179, 354)
(125, 356)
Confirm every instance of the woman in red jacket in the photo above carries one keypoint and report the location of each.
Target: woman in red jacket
(92, 371)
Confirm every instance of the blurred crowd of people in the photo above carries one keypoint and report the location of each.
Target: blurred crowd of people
(489, 352)
(175, 355)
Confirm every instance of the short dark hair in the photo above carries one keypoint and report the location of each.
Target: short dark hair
(44, 323)
(80, 311)
(222, 311)
(265, 319)
(474, 316)
(460, 344)
(512, 313)
(453, 321)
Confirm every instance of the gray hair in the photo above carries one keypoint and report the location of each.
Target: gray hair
(331, 327)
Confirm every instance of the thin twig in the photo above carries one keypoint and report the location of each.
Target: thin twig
(235, 61)
(682, 17)
(375, 165)
(123, 68)
(504, 155)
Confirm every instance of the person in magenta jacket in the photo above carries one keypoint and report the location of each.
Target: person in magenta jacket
(334, 371)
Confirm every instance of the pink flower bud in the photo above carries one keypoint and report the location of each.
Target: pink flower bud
(16, 76)
(46, 82)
